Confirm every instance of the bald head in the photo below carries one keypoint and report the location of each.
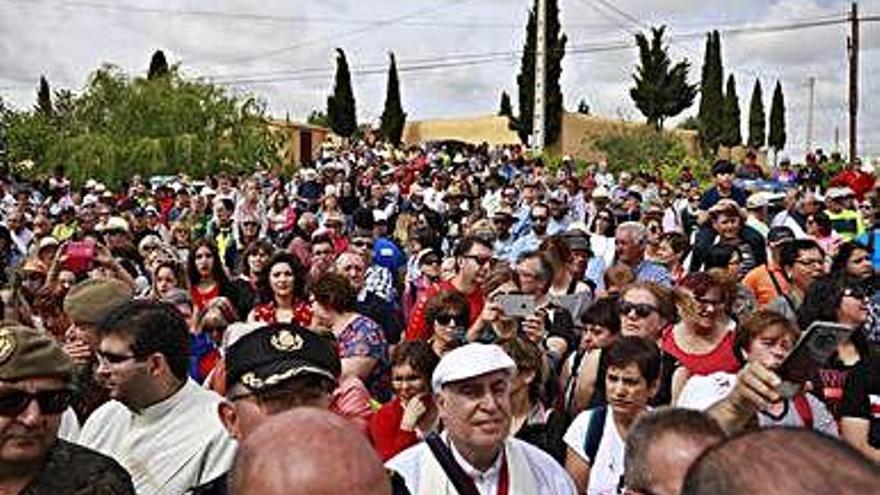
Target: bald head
(793, 461)
(307, 451)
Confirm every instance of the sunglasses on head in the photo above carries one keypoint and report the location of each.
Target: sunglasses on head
(13, 403)
(642, 310)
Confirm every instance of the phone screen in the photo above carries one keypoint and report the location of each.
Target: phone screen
(812, 352)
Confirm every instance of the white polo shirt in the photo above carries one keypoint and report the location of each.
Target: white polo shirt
(607, 468)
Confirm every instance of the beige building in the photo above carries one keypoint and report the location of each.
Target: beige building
(300, 142)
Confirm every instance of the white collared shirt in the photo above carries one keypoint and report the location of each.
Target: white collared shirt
(169, 447)
(486, 481)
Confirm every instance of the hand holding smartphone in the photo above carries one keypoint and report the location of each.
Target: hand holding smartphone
(812, 352)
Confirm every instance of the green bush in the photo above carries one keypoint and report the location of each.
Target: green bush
(646, 150)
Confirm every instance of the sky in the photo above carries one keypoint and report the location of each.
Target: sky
(455, 56)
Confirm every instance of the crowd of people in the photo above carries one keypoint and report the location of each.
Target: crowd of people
(465, 316)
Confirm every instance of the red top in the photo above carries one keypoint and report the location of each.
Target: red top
(385, 433)
(856, 180)
(417, 329)
(202, 298)
(266, 313)
(721, 358)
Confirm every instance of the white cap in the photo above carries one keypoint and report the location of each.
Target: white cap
(759, 199)
(469, 361)
(91, 183)
(115, 223)
(839, 192)
(601, 192)
(330, 190)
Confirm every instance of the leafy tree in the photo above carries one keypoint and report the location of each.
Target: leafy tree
(158, 66)
(661, 89)
(712, 95)
(393, 117)
(555, 51)
(757, 118)
(318, 118)
(776, 138)
(732, 135)
(341, 106)
(505, 109)
(44, 98)
(689, 124)
(120, 126)
(583, 107)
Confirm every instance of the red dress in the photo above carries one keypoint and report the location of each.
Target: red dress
(267, 313)
(202, 298)
(385, 433)
(721, 358)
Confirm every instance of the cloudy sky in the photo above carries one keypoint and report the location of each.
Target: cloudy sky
(455, 55)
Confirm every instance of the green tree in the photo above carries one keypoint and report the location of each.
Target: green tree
(158, 66)
(776, 138)
(583, 107)
(757, 118)
(393, 117)
(732, 135)
(341, 106)
(318, 118)
(553, 109)
(661, 89)
(505, 109)
(44, 98)
(689, 124)
(712, 95)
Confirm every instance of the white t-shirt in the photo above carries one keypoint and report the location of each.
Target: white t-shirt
(702, 392)
(607, 469)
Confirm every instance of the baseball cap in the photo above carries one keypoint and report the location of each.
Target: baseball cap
(757, 200)
(275, 353)
(577, 240)
(470, 361)
(780, 233)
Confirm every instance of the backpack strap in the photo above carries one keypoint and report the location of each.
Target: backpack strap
(594, 432)
(463, 483)
(802, 406)
(779, 290)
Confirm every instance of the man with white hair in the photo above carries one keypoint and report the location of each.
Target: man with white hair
(476, 454)
(630, 241)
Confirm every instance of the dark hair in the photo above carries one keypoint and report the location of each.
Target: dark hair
(719, 256)
(823, 221)
(605, 312)
(699, 283)
(679, 243)
(821, 302)
(753, 326)
(790, 250)
(253, 248)
(299, 277)
(844, 252)
(722, 167)
(639, 351)
(545, 267)
(664, 296)
(556, 249)
(227, 203)
(217, 270)
(335, 292)
(612, 225)
(451, 299)
(152, 327)
(528, 357)
(464, 245)
(695, 426)
(419, 355)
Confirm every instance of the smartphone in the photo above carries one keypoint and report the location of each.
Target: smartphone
(517, 305)
(80, 256)
(812, 352)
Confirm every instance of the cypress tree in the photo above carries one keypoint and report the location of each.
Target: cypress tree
(776, 138)
(712, 95)
(505, 109)
(341, 106)
(732, 132)
(757, 118)
(393, 117)
(44, 98)
(661, 89)
(553, 109)
(158, 66)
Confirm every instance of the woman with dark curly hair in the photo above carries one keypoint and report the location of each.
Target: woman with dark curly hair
(208, 280)
(282, 290)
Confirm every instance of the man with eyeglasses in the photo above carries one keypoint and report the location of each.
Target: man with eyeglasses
(539, 221)
(36, 387)
(802, 261)
(161, 426)
(270, 370)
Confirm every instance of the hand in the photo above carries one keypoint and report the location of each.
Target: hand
(103, 257)
(491, 313)
(755, 389)
(79, 352)
(412, 413)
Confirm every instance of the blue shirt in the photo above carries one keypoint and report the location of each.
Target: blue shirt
(648, 271)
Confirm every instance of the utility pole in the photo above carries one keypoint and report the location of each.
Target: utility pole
(836, 139)
(811, 82)
(540, 78)
(853, 48)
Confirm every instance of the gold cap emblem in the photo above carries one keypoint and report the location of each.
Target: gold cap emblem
(286, 342)
(7, 345)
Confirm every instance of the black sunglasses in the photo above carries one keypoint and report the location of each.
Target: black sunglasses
(15, 402)
(360, 243)
(643, 310)
(451, 319)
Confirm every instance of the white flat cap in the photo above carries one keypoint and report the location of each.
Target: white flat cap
(469, 361)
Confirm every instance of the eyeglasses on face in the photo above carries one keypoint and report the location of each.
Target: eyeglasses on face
(362, 243)
(642, 310)
(480, 260)
(113, 358)
(451, 320)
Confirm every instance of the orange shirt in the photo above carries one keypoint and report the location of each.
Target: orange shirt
(758, 279)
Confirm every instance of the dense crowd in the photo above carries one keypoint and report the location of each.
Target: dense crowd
(470, 318)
